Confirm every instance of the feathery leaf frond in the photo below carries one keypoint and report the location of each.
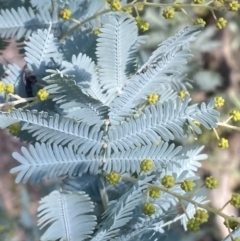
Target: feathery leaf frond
(43, 4)
(45, 161)
(129, 161)
(144, 84)
(120, 212)
(161, 68)
(73, 101)
(55, 129)
(83, 41)
(120, 33)
(21, 22)
(83, 70)
(163, 119)
(191, 161)
(69, 215)
(131, 65)
(42, 51)
(179, 40)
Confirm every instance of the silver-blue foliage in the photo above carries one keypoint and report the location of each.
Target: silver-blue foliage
(98, 120)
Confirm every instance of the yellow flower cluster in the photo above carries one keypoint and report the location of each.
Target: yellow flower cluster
(65, 14)
(235, 114)
(113, 178)
(182, 94)
(42, 94)
(211, 182)
(235, 200)
(154, 192)
(148, 208)
(219, 101)
(153, 98)
(140, 7)
(231, 224)
(199, 21)
(146, 165)
(187, 185)
(201, 216)
(168, 13)
(2, 87)
(168, 181)
(96, 31)
(142, 25)
(7, 88)
(127, 9)
(115, 5)
(193, 225)
(223, 143)
(233, 6)
(14, 129)
(221, 23)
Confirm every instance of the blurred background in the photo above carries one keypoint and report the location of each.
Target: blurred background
(213, 71)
